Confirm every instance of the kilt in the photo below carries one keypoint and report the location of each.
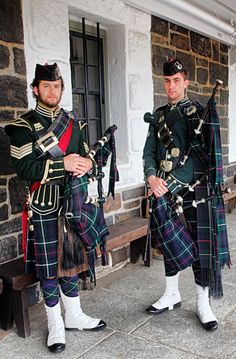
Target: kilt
(48, 243)
(45, 244)
(170, 236)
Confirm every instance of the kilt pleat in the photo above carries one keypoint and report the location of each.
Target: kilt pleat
(169, 235)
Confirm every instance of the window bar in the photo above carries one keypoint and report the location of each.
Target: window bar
(99, 79)
(85, 74)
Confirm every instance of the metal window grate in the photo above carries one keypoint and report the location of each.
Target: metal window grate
(87, 71)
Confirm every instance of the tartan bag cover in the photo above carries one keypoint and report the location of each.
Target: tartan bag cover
(170, 236)
(219, 239)
(86, 220)
(208, 219)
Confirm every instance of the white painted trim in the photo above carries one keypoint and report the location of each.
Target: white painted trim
(188, 15)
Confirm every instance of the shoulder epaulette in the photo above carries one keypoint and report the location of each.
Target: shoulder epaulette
(161, 108)
(21, 121)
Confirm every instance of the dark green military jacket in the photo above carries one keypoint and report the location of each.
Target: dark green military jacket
(155, 151)
(23, 132)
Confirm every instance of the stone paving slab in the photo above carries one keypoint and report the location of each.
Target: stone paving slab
(120, 346)
(120, 311)
(121, 299)
(34, 347)
(180, 329)
(146, 284)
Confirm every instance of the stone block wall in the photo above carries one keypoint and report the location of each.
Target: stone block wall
(13, 101)
(206, 60)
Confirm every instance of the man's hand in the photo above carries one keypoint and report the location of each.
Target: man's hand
(77, 165)
(158, 186)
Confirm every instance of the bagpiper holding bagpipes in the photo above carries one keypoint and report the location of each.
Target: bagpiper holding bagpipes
(61, 227)
(183, 169)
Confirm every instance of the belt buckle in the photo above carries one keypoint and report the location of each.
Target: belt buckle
(47, 142)
(162, 132)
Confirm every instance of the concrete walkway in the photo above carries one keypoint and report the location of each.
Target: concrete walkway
(120, 299)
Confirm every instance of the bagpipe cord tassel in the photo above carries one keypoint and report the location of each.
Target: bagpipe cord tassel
(114, 174)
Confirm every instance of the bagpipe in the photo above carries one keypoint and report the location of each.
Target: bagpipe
(81, 218)
(169, 231)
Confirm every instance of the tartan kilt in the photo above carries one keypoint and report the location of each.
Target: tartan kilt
(170, 236)
(46, 244)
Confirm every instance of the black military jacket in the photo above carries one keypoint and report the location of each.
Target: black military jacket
(23, 132)
(155, 151)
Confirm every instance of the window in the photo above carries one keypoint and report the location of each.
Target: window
(87, 71)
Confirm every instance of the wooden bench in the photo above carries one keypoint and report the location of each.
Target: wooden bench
(13, 299)
(230, 198)
(14, 281)
(134, 232)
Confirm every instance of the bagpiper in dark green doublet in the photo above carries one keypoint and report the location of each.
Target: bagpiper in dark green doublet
(40, 163)
(201, 240)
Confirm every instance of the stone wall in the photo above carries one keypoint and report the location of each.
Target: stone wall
(206, 59)
(13, 100)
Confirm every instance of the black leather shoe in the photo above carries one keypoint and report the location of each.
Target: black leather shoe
(153, 310)
(101, 325)
(57, 348)
(213, 325)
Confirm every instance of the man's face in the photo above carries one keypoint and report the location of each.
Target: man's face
(49, 93)
(175, 87)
